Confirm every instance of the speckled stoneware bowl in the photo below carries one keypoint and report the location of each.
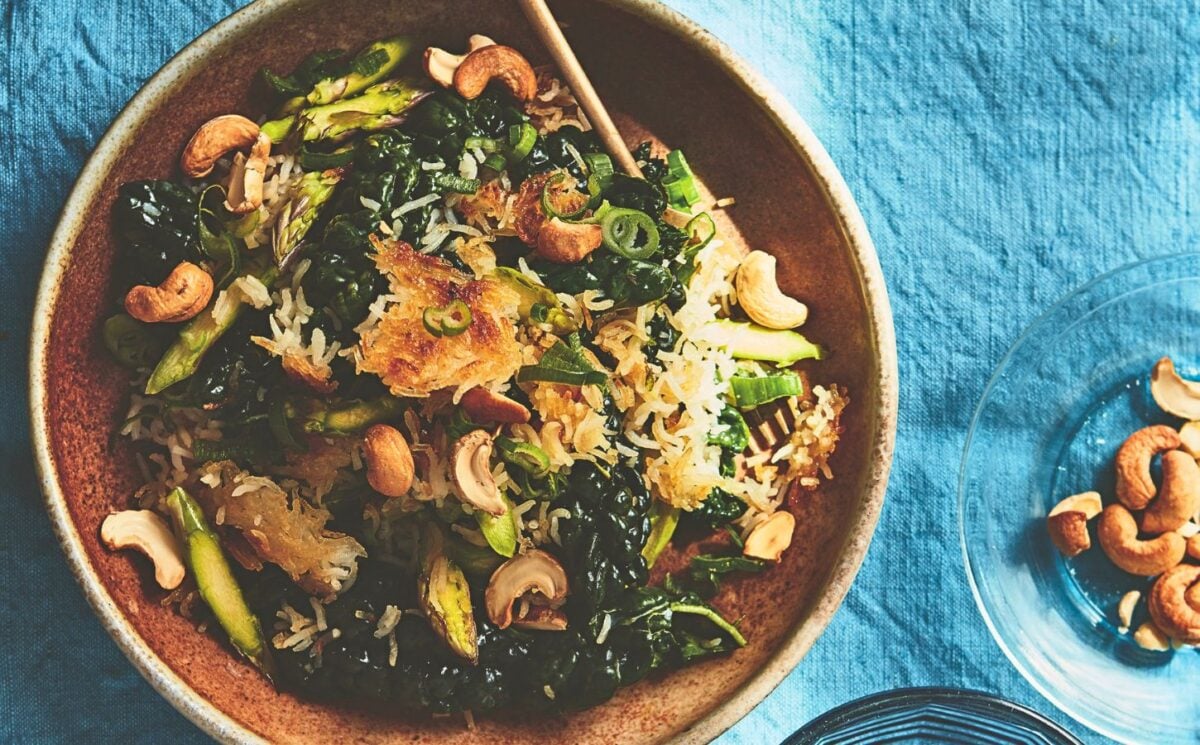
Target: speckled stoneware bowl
(664, 78)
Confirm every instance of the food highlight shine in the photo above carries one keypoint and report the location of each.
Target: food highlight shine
(424, 388)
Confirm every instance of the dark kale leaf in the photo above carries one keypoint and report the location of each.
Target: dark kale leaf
(156, 226)
(707, 571)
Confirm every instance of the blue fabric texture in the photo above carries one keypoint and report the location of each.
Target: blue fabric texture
(1001, 152)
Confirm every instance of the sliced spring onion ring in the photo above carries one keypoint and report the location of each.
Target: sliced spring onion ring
(526, 456)
(496, 162)
(751, 392)
(451, 320)
(680, 182)
(521, 139)
(486, 144)
(623, 231)
(600, 168)
(556, 183)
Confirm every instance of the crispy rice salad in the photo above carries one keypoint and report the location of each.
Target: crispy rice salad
(423, 388)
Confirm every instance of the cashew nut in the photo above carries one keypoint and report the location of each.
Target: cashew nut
(759, 295)
(1135, 485)
(245, 192)
(389, 460)
(483, 405)
(440, 64)
(535, 572)
(542, 618)
(215, 138)
(771, 537)
(1067, 522)
(567, 242)
(1178, 497)
(1189, 438)
(1118, 534)
(1170, 604)
(495, 62)
(1151, 638)
(148, 533)
(1172, 393)
(1125, 608)
(471, 473)
(181, 296)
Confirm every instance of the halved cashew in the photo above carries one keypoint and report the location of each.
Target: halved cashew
(771, 537)
(759, 295)
(534, 572)
(483, 405)
(1067, 522)
(471, 473)
(1172, 393)
(389, 460)
(1169, 607)
(148, 533)
(496, 62)
(1135, 485)
(440, 64)
(1151, 638)
(215, 138)
(542, 618)
(1118, 534)
(1125, 609)
(245, 192)
(1178, 497)
(181, 296)
(567, 242)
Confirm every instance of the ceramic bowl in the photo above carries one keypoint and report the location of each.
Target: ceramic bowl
(664, 78)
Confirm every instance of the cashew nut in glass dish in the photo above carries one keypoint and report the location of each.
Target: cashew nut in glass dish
(409, 357)
(1150, 529)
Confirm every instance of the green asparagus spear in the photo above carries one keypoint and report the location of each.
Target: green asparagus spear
(499, 532)
(298, 215)
(379, 107)
(445, 596)
(534, 296)
(374, 63)
(215, 581)
(183, 357)
(348, 418)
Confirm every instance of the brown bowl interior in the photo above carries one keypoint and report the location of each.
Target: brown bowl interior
(659, 85)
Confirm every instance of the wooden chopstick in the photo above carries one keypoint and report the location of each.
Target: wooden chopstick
(543, 22)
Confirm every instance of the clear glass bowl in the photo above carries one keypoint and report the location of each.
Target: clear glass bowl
(1063, 399)
(931, 715)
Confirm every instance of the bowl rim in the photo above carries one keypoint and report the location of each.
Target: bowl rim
(785, 119)
(1074, 295)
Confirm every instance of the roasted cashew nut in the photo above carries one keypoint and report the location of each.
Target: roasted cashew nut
(1169, 604)
(389, 460)
(1118, 534)
(496, 62)
(535, 572)
(471, 473)
(759, 295)
(245, 192)
(440, 64)
(771, 537)
(1135, 485)
(215, 138)
(148, 533)
(483, 405)
(181, 296)
(1067, 522)
(568, 242)
(1178, 497)
(1172, 393)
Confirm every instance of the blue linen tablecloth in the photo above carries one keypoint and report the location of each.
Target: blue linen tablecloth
(1002, 152)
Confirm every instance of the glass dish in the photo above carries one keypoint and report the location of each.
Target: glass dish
(931, 715)
(1061, 402)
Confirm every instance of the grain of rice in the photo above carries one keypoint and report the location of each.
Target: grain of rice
(605, 626)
